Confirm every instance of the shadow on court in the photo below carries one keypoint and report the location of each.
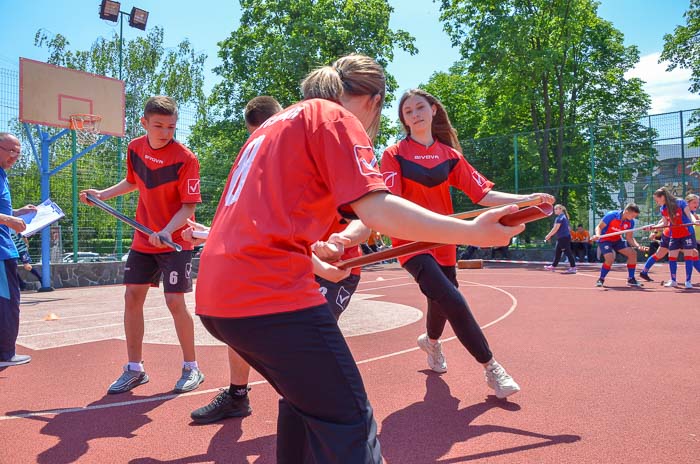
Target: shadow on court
(226, 447)
(426, 431)
(75, 431)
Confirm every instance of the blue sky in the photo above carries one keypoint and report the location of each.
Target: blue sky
(643, 22)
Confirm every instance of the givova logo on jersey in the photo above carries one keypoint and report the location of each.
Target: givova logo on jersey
(366, 161)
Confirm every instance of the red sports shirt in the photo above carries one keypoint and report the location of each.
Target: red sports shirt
(292, 178)
(424, 175)
(166, 179)
(679, 221)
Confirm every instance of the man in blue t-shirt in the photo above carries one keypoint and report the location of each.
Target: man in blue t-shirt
(10, 149)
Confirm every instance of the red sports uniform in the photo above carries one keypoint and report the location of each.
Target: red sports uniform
(257, 259)
(614, 223)
(679, 222)
(424, 175)
(166, 179)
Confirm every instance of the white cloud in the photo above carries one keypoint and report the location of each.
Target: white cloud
(668, 90)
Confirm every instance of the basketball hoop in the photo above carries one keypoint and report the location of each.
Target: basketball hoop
(86, 127)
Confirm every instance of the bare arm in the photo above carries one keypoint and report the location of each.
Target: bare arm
(178, 220)
(598, 230)
(554, 230)
(121, 188)
(14, 223)
(400, 218)
(356, 232)
(493, 198)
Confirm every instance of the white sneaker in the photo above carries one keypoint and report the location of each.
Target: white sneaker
(688, 284)
(498, 379)
(436, 360)
(671, 283)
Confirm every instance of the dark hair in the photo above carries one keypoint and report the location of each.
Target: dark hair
(670, 200)
(579, 225)
(441, 126)
(160, 104)
(632, 207)
(259, 109)
(352, 75)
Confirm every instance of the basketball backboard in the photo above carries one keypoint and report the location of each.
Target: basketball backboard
(49, 94)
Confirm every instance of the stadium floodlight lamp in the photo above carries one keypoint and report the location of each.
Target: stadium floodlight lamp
(138, 18)
(109, 10)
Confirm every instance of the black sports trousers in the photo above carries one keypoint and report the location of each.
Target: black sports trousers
(324, 415)
(446, 303)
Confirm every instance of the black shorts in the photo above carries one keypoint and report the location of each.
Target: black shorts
(338, 294)
(147, 268)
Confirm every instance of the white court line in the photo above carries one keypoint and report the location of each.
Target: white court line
(86, 316)
(120, 324)
(53, 412)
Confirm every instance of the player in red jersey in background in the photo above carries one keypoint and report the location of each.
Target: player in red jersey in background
(421, 168)
(299, 171)
(618, 221)
(166, 174)
(676, 214)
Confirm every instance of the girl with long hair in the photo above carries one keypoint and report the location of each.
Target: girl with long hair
(421, 168)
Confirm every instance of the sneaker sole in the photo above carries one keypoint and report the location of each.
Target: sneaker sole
(10, 364)
(505, 394)
(209, 420)
(128, 387)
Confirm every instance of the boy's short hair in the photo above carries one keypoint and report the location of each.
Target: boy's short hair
(160, 104)
(260, 109)
(580, 225)
(632, 207)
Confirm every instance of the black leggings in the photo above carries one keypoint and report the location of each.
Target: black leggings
(564, 246)
(324, 415)
(446, 303)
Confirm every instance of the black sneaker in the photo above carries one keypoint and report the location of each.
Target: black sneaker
(645, 276)
(600, 283)
(223, 405)
(633, 283)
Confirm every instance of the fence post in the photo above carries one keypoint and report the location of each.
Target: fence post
(591, 137)
(682, 154)
(515, 161)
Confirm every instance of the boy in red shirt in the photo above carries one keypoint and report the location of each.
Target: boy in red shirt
(166, 174)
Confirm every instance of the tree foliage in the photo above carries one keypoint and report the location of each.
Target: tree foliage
(276, 44)
(552, 68)
(682, 50)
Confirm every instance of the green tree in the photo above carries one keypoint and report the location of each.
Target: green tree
(277, 43)
(552, 68)
(682, 50)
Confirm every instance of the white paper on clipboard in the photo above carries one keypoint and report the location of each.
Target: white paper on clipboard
(46, 214)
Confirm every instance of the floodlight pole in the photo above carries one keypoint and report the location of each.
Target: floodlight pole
(120, 199)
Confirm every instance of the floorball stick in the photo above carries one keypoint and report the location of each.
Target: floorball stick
(525, 215)
(136, 225)
(647, 227)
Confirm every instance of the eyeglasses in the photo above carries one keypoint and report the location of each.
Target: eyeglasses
(13, 153)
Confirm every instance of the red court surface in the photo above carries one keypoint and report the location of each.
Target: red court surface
(608, 375)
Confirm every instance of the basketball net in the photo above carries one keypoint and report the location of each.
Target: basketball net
(86, 127)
